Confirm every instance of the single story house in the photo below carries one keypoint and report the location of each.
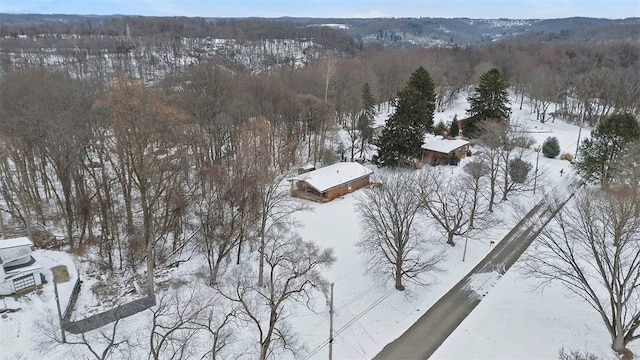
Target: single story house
(330, 182)
(18, 269)
(437, 150)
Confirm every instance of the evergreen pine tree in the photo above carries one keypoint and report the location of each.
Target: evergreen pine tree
(453, 159)
(490, 100)
(440, 128)
(366, 117)
(551, 147)
(368, 103)
(401, 140)
(421, 80)
(453, 129)
(598, 155)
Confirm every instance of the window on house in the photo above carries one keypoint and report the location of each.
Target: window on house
(24, 282)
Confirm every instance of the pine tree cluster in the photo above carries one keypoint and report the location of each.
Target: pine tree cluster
(401, 140)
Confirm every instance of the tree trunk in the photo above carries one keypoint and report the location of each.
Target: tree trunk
(492, 195)
(148, 239)
(3, 234)
(261, 266)
(618, 344)
(264, 344)
(261, 250)
(68, 208)
(213, 271)
(398, 276)
(505, 190)
(450, 238)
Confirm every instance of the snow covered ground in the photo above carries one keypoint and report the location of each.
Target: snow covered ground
(514, 319)
(18, 339)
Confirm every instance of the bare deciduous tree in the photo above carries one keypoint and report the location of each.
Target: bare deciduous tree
(223, 211)
(219, 326)
(447, 202)
(500, 147)
(514, 172)
(174, 324)
(265, 152)
(491, 142)
(474, 179)
(593, 249)
(101, 344)
(293, 271)
(145, 127)
(391, 243)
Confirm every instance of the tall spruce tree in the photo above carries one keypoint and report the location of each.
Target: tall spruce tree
(421, 80)
(402, 137)
(366, 116)
(489, 101)
(453, 129)
(401, 140)
(368, 102)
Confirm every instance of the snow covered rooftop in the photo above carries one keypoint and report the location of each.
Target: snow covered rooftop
(441, 145)
(12, 249)
(334, 175)
(9, 243)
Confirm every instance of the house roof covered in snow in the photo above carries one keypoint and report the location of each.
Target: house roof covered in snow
(12, 249)
(334, 175)
(445, 146)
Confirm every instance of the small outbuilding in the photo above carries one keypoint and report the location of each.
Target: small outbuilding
(18, 269)
(330, 182)
(439, 150)
(305, 169)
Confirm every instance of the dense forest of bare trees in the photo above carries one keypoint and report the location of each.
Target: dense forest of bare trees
(95, 158)
(89, 156)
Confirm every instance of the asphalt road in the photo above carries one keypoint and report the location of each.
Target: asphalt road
(424, 337)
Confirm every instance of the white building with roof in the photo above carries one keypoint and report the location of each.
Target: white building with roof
(331, 181)
(18, 269)
(438, 150)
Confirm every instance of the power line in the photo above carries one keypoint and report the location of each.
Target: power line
(351, 322)
(363, 328)
(351, 350)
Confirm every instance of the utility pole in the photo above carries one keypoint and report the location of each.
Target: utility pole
(466, 240)
(55, 291)
(535, 179)
(331, 324)
(579, 133)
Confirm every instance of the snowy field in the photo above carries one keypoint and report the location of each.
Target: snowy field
(514, 320)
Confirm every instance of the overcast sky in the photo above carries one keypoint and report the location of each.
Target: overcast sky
(515, 9)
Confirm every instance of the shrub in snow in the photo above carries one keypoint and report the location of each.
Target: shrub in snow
(551, 147)
(440, 128)
(566, 156)
(518, 170)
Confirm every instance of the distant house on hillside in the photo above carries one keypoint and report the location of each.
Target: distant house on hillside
(330, 182)
(18, 269)
(437, 150)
